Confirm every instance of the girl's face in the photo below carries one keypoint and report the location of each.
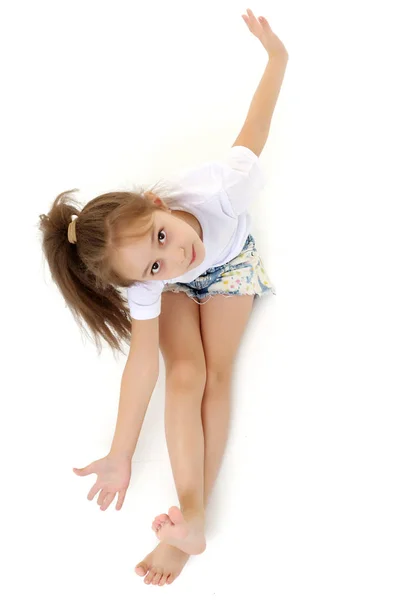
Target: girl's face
(166, 251)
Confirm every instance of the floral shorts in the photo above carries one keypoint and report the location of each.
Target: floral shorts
(241, 276)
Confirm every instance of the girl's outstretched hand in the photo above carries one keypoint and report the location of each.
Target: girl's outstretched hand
(113, 476)
(261, 29)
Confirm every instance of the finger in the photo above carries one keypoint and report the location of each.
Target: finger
(251, 15)
(107, 501)
(85, 471)
(93, 491)
(121, 498)
(102, 497)
(252, 23)
(264, 22)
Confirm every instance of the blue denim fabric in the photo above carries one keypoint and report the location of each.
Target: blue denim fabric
(245, 273)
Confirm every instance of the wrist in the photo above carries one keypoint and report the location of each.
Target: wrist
(281, 54)
(118, 454)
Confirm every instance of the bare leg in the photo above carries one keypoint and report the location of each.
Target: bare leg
(215, 413)
(184, 527)
(224, 324)
(166, 562)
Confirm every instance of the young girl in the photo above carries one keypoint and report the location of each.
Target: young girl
(191, 270)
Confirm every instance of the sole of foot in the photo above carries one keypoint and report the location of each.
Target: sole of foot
(183, 531)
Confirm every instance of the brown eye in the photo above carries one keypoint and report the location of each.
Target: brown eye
(162, 233)
(154, 272)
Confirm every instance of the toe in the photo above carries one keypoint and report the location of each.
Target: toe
(160, 521)
(170, 579)
(141, 569)
(163, 579)
(175, 515)
(149, 578)
(156, 578)
(162, 518)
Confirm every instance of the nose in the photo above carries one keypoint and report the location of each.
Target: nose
(178, 256)
(181, 256)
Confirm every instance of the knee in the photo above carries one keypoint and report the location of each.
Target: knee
(218, 376)
(187, 375)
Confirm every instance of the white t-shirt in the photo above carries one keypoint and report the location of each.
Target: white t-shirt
(218, 194)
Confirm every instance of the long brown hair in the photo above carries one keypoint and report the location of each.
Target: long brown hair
(83, 271)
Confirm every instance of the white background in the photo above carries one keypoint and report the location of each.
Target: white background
(100, 95)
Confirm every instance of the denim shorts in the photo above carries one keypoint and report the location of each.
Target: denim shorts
(244, 275)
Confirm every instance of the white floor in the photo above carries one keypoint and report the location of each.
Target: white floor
(307, 502)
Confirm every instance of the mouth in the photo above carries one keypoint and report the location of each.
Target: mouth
(193, 256)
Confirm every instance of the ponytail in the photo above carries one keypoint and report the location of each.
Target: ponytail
(76, 244)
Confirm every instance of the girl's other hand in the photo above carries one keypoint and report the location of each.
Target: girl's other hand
(113, 476)
(261, 29)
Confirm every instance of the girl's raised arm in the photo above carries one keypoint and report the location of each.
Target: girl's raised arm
(255, 130)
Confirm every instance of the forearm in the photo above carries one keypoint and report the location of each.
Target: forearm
(264, 100)
(137, 386)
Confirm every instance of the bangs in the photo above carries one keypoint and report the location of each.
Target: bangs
(135, 231)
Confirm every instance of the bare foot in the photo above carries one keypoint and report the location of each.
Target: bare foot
(185, 532)
(163, 565)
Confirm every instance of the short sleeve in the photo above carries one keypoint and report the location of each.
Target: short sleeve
(239, 176)
(242, 178)
(144, 299)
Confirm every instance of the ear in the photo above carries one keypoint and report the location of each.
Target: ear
(157, 201)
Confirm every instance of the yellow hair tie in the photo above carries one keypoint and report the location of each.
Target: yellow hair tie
(72, 231)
